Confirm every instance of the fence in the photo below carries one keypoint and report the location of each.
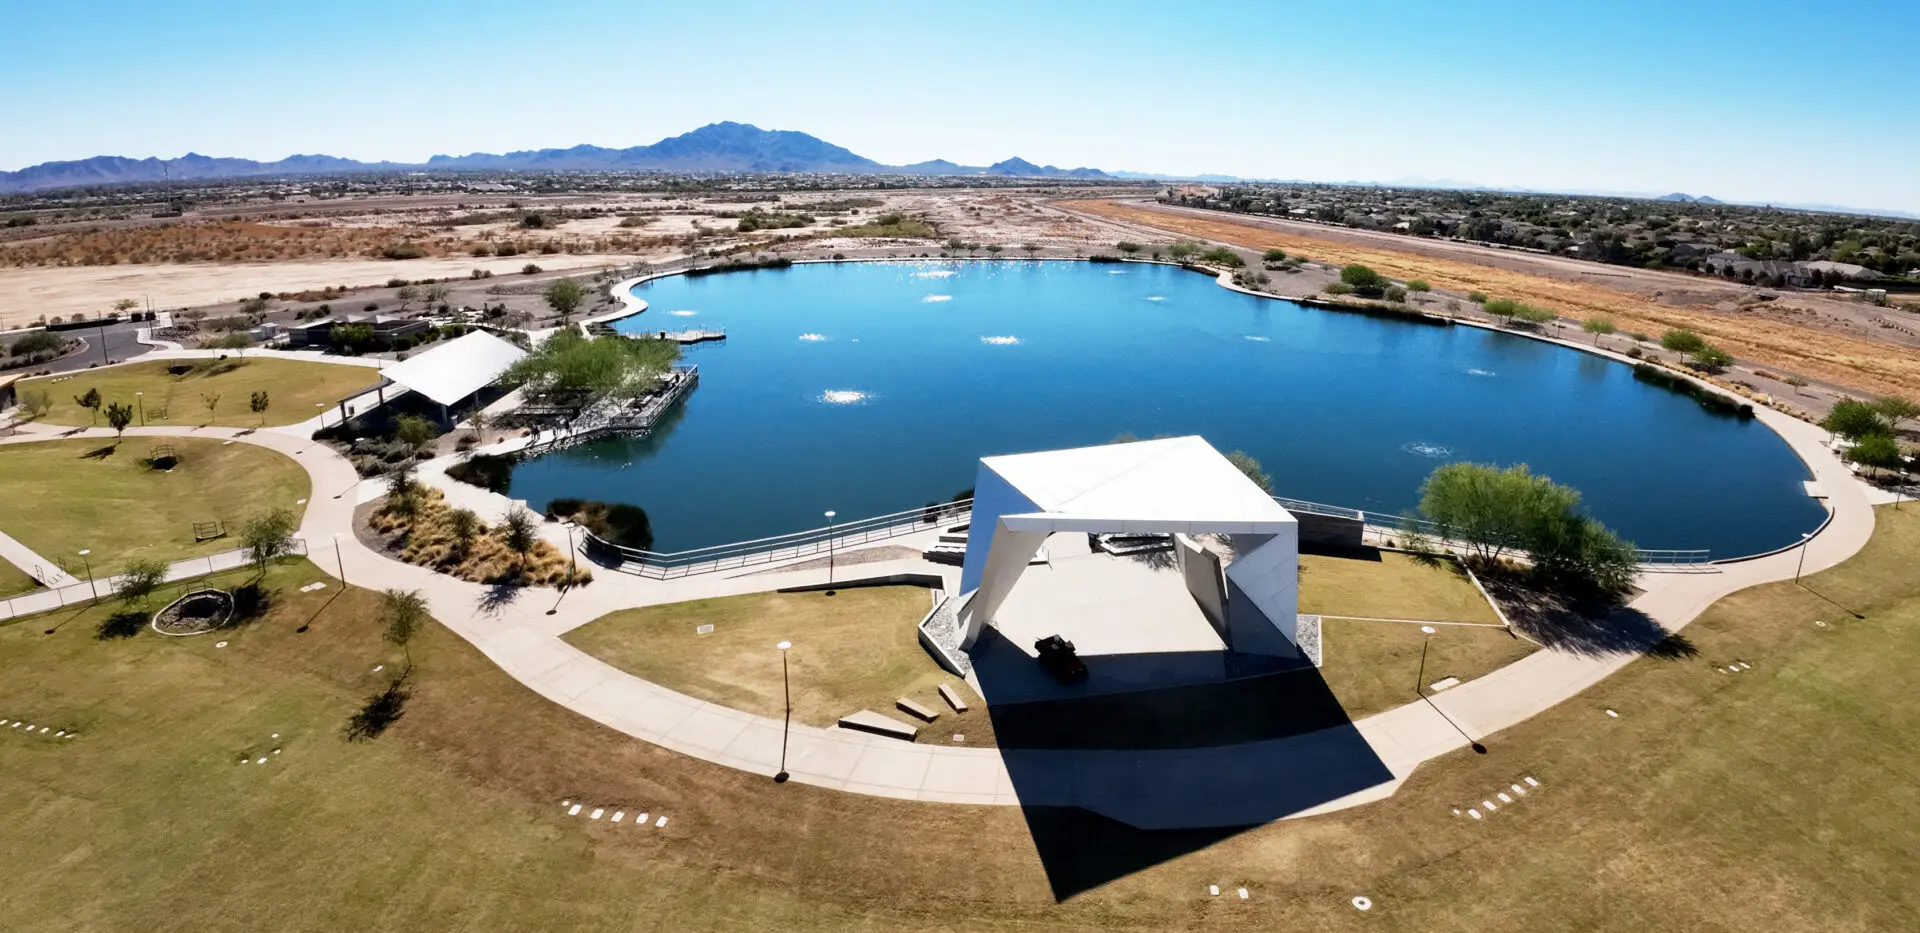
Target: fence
(779, 547)
(84, 591)
(1406, 524)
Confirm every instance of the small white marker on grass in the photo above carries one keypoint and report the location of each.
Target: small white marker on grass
(1612, 715)
(573, 810)
(660, 822)
(1243, 893)
(1488, 805)
(1531, 782)
(260, 761)
(618, 815)
(596, 813)
(1504, 798)
(640, 820)
(1517, 789)
(1213, 890)
(703, 629)
(1362, 903)
(1473, 813)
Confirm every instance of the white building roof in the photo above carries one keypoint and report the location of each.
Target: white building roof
(1180, 481)
(456, 369)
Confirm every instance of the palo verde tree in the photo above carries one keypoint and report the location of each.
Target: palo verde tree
(517, 530)
(1250, 468)
(258, 403)
(1897, 409)
(212, 401)
(565, 296)
(1854, 419)
(91, 402)
(268, 538)
(1598, 325)
(1496, 513)
(403, 612)
(1681, 340)
(119, 415)
(1879, 451)
(139, 580)
(613, 367)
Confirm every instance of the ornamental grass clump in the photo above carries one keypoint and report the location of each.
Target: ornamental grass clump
(454, 542)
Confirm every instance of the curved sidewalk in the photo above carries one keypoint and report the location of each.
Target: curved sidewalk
(1224, 786)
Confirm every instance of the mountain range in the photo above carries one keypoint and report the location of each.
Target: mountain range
(716, 147)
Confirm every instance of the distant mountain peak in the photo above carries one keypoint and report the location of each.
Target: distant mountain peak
(724, 146)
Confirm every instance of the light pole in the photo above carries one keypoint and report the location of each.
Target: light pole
(572, 565)
(339, 561)
(786, 691)
(103, 341)
(140, 400)
(830, 549)
(89, 564)
(1803, 556)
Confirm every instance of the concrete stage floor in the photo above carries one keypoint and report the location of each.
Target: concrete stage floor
(1131, 619)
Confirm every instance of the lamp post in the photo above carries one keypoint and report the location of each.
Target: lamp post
(89, 564)
(572, 565)
(103, 341)
(1803, 556)
(830, 550)
(786, 691)
(573, 553)
(338, 560)
(140, 400)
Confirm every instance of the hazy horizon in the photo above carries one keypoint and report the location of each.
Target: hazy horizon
(1757, 102)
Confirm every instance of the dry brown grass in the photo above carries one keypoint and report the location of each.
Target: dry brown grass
(215, 241)
(1848, 361)
(426, 538)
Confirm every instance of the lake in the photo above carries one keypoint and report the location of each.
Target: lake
(873, 387)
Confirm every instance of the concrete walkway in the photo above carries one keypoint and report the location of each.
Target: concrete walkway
(519, 629)
(31, 563)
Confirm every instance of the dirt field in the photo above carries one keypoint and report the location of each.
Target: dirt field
(1818, 337)
(26, 294)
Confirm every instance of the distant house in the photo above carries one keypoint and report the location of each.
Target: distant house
(386, 329)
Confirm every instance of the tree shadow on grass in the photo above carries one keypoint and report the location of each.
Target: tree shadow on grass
(100, 453)
(251, 603)
(1590, 627)
(123, 624)
(379, 713)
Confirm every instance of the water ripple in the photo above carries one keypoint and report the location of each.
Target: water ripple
(1424, 449)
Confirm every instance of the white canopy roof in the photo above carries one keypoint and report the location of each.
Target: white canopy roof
(456, 369)
(1178, 481)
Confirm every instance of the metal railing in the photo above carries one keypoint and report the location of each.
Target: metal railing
(663, 566)
(669, 565)
(1406, 524)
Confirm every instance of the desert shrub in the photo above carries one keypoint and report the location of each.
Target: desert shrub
(1222, 256)
(615, 523)
(1337, 288)
(403, 251)
(492, 472)
(36, 342)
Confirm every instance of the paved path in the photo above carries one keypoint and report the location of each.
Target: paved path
(1233, 785)
(31, 563)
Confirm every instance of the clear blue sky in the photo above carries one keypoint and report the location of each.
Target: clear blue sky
(1756, 100)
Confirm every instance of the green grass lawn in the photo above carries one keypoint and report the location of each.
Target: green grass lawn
(1778, 798)
(296, 391)
(14, 581)
(1389, 585)
(851, 651)
(62, 496)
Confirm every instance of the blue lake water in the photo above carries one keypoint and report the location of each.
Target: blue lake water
(875, 387)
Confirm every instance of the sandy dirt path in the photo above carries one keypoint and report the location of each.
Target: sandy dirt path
(25, 294)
